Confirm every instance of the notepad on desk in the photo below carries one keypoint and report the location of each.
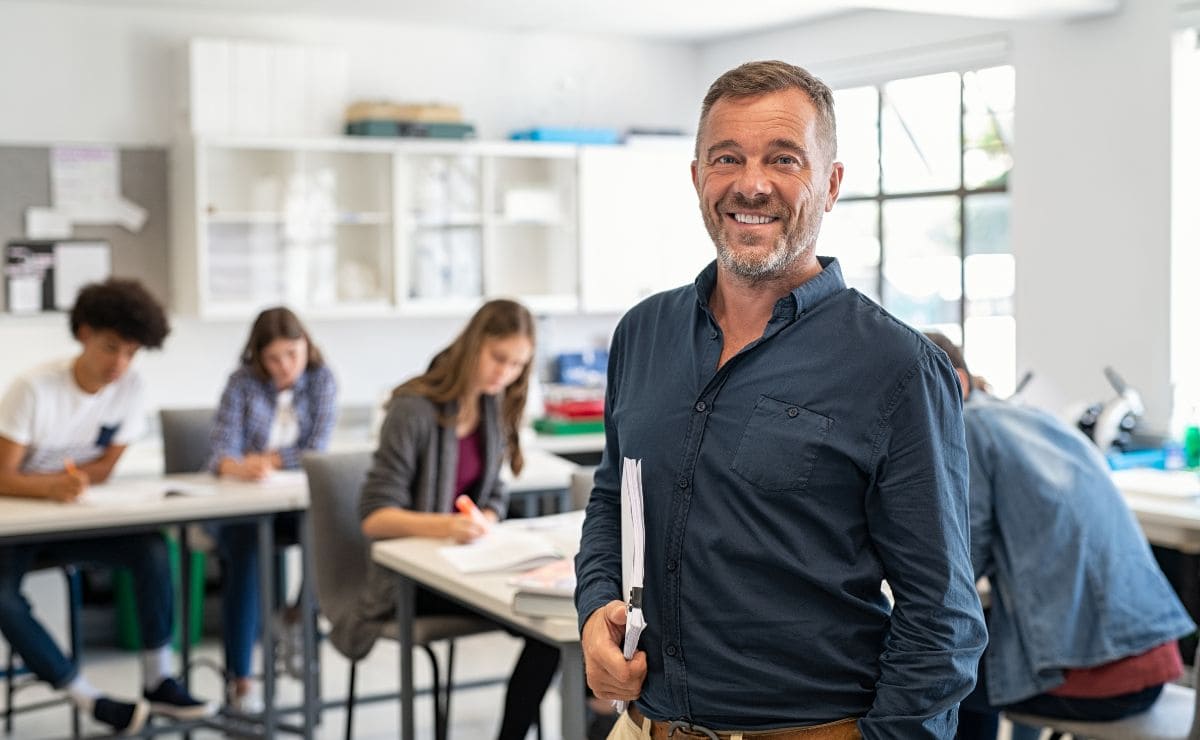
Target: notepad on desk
(502, 549)
(135, 492)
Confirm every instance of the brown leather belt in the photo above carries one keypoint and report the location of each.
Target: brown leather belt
(843, 729)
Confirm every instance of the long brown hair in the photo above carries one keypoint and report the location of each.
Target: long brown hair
(271, 324)
(452, 370)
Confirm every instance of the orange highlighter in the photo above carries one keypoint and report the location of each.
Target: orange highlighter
(69, 466)
(467, 507)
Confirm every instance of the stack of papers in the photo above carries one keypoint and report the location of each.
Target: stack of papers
(633, 556)
(1175, 484)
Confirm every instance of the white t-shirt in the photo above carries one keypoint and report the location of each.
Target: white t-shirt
(46, 411)
(285, 427)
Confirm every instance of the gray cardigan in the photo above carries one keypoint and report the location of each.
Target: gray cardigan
(414, 468)
(417, 459)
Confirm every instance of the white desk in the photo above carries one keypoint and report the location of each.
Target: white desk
(34, 520)
(417, 560)
(1169, 517)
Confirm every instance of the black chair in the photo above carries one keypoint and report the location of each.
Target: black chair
(342, 557)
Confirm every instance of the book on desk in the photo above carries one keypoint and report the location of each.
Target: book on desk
(546, 591)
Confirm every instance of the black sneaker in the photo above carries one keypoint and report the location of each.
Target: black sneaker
(124, 717)
(170, 699)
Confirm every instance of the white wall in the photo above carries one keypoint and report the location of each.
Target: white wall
(1091, 188)
(79, 73)
(73, 73)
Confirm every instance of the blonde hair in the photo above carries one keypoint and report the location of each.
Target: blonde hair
(452, 370)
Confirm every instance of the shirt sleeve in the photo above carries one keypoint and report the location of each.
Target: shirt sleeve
(598, 564)
(394, 467)
(318, 430)
(16, 413)
(228, 430)
(917, 516)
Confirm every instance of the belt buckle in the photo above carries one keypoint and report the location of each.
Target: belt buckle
(690, 728)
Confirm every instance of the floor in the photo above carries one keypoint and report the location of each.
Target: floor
(475, 713)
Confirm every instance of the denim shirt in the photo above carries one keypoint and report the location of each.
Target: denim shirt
(247, 408)
(1074, 583)
(780, 490)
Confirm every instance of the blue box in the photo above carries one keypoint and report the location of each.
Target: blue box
(569, 135)
(582, 368)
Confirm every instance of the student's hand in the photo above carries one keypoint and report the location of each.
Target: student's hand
(256, 467)
(66, 487)
(608, 673)
(463, 529)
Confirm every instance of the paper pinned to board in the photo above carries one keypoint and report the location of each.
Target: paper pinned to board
(85, 187)
(633, 556)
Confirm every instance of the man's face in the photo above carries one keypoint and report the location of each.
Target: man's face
(764, 181)
(106, 355)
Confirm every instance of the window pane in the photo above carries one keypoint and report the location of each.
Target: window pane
(988, 126)
(989, 273)
(991, 351)
(921, 133)
(922, 271)
(858, 139)
(850, 232)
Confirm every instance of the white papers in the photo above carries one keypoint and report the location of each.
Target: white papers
(85, 187)
(503, 548)
(136, 492)
(75, 265)
(1176, 484)
(284, 479)
(633, 556)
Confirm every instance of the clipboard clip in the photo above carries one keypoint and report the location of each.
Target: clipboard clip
(635, 598)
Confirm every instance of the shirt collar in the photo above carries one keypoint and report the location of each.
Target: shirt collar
(803, 297)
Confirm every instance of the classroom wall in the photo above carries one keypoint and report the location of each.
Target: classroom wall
(74, 73)
(1091, 188)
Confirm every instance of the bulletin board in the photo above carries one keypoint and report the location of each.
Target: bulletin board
(143, 255)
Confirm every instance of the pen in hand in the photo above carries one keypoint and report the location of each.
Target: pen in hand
(466, 506)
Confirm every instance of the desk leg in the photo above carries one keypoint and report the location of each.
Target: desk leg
(405, 614)
(574, 718)
(185, 617)
(266, 598)
(308, 620)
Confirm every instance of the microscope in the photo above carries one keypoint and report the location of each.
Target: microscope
(1111, 424)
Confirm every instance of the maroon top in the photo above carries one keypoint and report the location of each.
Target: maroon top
(1125, 676)
(470, 461)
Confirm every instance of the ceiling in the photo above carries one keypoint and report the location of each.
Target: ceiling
(682, 20)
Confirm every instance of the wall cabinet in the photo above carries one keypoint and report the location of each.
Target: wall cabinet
(360, 227)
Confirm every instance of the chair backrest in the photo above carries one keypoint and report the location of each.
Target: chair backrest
(581, 487)
(341, 553)
(187, 439)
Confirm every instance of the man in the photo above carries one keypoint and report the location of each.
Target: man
(799, 445)
(1083, 623)
(63, 426)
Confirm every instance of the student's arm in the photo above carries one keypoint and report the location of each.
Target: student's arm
(99, 469)
(62, 486)
(229, 435)
(314, 435)
(386, 504)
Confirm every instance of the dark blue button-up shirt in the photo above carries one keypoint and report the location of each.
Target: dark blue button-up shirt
(780, 490)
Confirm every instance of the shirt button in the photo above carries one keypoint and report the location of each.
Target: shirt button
(672, 650)
(712, 335)
(683, 482)
(793, 411)
(701, 405)
(672, 565)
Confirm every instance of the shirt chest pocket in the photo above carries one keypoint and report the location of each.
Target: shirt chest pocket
(779, 445)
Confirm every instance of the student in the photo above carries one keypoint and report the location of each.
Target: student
(278, 404)
(446, 433)
(63, 426)
(1082, 623)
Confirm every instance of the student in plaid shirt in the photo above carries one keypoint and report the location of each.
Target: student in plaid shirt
(279, 403)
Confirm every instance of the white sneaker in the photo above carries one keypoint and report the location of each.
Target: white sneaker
(249, 704)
